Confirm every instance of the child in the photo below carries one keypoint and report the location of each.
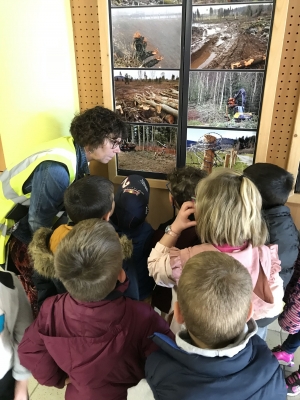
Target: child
(274, 185)
(218, 356)
(89, 197)
(181, 184)
(228, 219)
(15, 317)
(131, 209)
(92, 338)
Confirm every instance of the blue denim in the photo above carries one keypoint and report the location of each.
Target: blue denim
(291, 344)
(47, 185)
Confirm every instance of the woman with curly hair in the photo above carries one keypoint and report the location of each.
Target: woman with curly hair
(32, 189)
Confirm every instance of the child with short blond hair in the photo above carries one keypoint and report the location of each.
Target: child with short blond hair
(218, 355)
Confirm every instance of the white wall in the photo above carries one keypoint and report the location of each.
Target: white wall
(38, 86)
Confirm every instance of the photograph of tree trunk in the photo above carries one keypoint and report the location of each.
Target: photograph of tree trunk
(230, 36)
(122, 3)
(138, 41)
(208, 149)
(224, 99)
(149, 148)
(147, 95)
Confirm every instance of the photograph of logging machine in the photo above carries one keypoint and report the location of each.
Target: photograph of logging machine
(138, 41)
(225, 99)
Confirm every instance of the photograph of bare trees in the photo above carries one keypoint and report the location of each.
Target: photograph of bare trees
(122, 3)
(208, 149)
(224, 99)
(146, 37)
(230, 36)
(224, 1)
(149, 148)
(147, 96)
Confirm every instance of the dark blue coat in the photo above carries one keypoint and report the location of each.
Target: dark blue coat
(283, 232)
(253, 373)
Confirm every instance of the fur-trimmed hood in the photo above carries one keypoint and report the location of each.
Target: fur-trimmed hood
(43, 259)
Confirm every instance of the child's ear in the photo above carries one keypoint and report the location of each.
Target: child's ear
(171, 199)
(106, 216)
(250, 312)
(122, 276)
(177, 313)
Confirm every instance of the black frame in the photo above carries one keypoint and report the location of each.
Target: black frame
(184, 73)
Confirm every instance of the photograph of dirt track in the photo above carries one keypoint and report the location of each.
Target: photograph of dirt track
(230, 37)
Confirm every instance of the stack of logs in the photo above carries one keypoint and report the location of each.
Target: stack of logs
(152, 107)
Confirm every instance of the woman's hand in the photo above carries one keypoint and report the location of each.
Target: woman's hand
(182, 220)
(21, 390)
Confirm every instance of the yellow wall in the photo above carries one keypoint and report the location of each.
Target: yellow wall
(38, 82)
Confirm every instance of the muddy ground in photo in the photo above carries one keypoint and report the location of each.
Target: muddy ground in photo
(216, 45)
(146, 161)
(131, 100)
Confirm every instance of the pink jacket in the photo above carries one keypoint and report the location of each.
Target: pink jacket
(165, 265)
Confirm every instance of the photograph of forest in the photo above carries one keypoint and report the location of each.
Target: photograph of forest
(207, 148)
(122, 3)
(224, 99)
(149, 148)
(230, 36)
(138, 41)
(147, 96)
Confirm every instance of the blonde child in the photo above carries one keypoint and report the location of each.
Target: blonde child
(228, 219)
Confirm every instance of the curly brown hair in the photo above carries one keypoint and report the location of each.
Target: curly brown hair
(183, 183)
(91, 127)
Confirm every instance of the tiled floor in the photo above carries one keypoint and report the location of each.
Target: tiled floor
(275, 337)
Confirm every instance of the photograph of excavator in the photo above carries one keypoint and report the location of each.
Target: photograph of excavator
(225, 99)
(137, 38)
(231, 36)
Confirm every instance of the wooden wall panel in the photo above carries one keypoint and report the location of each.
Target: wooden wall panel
(87, 50)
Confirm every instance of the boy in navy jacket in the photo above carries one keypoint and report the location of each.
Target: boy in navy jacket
(218, 356)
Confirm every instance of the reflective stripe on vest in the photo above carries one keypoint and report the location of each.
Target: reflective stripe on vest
(61, 150)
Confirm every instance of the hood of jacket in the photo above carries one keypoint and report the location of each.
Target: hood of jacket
(43, 259)
(184, 372)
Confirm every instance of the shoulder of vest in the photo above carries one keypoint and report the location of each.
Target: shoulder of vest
(7, 279)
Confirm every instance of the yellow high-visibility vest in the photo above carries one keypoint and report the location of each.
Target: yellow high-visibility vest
(61, 150)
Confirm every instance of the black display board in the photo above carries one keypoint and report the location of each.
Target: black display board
(188, 77)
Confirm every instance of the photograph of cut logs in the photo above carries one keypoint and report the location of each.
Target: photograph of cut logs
(209, 149)
(147, 96)
(231, 36)
(138, 41)
(122, 3)
(225, 99)
(149, 148)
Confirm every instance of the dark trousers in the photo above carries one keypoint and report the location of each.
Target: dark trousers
(7, 387)
(291, 344)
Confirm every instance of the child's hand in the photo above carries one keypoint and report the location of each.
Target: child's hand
(182, 220)
(21, 390)
(67, 381)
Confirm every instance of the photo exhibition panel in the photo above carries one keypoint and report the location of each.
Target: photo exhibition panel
(188, 78)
